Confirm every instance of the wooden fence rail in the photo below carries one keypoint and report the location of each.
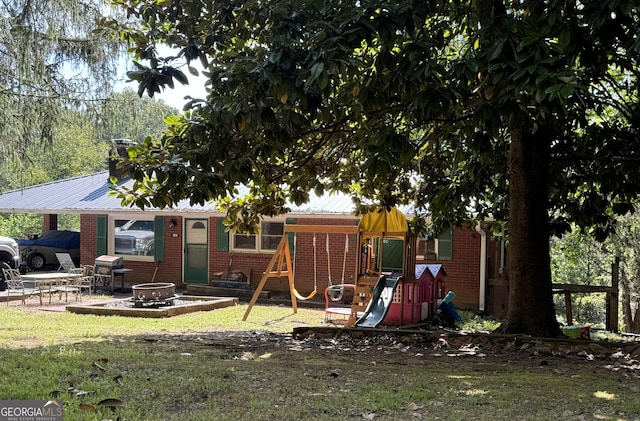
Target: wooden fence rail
(611, 300)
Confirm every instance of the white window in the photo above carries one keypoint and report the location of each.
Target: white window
(269, 237)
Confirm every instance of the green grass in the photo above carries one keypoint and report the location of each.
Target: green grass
(180, 368)
(28, 328)
(191, 381)
(472, 322)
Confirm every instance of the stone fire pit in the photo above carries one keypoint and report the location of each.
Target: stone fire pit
(178, 305)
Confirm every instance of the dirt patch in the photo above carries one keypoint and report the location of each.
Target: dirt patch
(396, 346)
(405, 348)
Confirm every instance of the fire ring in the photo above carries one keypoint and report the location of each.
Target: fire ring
(154, 291)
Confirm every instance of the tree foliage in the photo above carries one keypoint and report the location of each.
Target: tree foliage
(625, 244)
(526, 112)
(578, 258)
(74, 151)
(369, 98)
(24, 225)
(79, 145)
(124, 115)
(49, 61)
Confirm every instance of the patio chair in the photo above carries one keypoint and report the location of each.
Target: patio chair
(15, 286)
(102, 277)
(71, 284)
(65, 261)
(87, 280)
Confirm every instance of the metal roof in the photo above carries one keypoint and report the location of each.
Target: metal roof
(87, 194)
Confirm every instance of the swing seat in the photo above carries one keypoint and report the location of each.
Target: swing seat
(336, 299)
(335, 292)
(342, 293)
(302, 297)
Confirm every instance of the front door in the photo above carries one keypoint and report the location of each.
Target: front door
(196, 251)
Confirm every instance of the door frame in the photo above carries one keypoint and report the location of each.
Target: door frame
(185, 267)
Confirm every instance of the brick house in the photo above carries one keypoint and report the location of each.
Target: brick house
(188, 244)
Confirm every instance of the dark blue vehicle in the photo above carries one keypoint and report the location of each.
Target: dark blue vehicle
(38, 253)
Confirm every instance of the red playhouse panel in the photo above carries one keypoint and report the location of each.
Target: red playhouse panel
(420, 299)
(431, 279)
(403, 313)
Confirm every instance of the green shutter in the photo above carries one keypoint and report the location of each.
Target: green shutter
(158, 239)
(445, 246)
(101, 235)
(222, 236)
(291, 235)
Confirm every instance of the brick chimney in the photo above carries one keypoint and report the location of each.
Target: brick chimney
(118, 149)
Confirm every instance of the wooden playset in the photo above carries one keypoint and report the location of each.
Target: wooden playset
(386, 288)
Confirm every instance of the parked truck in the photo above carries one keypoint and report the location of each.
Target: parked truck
(135, 237)
(9, 257)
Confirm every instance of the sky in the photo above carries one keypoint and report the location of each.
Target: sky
(173, 97)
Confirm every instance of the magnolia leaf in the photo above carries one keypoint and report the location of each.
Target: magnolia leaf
(179, 76)
(111, 403)
(241, 122)
(316, 70)
(495, 49)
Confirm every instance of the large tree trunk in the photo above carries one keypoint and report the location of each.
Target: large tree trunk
(531, 310)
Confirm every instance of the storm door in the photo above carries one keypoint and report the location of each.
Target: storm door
(196, 251)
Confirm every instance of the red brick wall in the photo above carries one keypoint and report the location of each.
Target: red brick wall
(463, 271)
(303, 258)
(169, 270)
(49, 222)
(87, 239)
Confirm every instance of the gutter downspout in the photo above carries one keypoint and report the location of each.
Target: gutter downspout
(483, 267)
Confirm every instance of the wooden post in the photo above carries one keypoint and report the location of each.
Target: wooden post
(282, 252)
(613, 297)
(282, 256)
(567, 303)
(287, 259)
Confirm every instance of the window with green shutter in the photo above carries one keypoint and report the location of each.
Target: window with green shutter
(267, 240)
(134, 235)
(445, 246)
